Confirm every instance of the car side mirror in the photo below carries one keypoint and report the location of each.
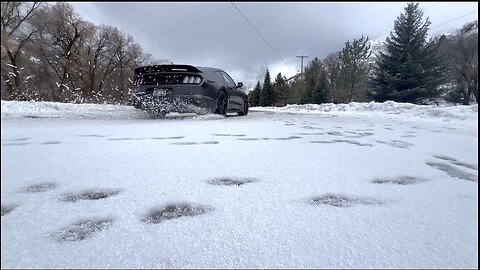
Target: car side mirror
(239, 84)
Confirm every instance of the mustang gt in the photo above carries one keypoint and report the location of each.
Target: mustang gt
(161, 89)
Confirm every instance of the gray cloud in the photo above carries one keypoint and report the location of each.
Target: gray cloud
(215, 34)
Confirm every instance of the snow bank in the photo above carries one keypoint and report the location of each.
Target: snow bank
(405, 111)
(385, 109)
(33, 109)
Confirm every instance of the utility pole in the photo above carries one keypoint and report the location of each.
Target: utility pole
(301, 65)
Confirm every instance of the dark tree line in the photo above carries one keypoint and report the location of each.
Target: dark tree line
(409, 67)
(50, 53)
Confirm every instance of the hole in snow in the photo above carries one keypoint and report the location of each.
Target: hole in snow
(42, 187)
(335, 133)
(309, 133)
(397, 144)
(89, 195)
(457, 162)
(267, 139)
(408, 136)
(343, 141)
(342, 200)
(7, 208)
(310, 127)
(229, 135)
(168, 138)
(358, 134)
(176, 210)
(250, 139)
(125, 139)
(287, 138)
(225, 181)
(17, 140)
(16, 143)
(403, 180)
(51, 142)
(81, 230)
(321, 141)
(453, 172)
(91, 135)
(185, 143)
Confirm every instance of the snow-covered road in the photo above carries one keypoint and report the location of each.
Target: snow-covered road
(277, 188)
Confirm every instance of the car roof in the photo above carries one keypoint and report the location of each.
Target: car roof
(208, 69)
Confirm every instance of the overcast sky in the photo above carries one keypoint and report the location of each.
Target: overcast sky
(215, 34)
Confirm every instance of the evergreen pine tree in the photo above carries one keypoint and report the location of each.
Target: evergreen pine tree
(315, 83)
(408, 70)
(281, 88)
(268, 95)
(257, 92)
(251, 96)
(320, 92)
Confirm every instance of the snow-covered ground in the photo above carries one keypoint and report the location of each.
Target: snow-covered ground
(362, 185)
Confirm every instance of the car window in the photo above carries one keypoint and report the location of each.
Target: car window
(228, 79)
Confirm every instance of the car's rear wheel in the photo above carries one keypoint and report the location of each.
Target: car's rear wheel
(245, 108)
(222, 103)
(160, 113)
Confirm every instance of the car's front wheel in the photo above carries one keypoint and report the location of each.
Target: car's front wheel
(245, 108)
(222, 103)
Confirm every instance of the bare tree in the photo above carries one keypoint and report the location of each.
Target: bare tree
(464, 57)
(63, 57)
(98, 62)
(16, 32)
(334, 75)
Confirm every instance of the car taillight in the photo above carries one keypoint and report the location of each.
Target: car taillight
(192, 79)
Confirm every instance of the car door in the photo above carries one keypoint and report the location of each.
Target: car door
(236, 94)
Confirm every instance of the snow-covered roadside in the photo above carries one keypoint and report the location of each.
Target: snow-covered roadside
(32, 109)
(389, 109)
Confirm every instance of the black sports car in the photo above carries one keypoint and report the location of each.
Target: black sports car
(161, 89)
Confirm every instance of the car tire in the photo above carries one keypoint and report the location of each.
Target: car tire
(222, 103)
(245, 108)
(161, 114)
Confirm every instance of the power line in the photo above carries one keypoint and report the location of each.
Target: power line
(453, 19)
(356, 15)
(371, 17)
(261, 36)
